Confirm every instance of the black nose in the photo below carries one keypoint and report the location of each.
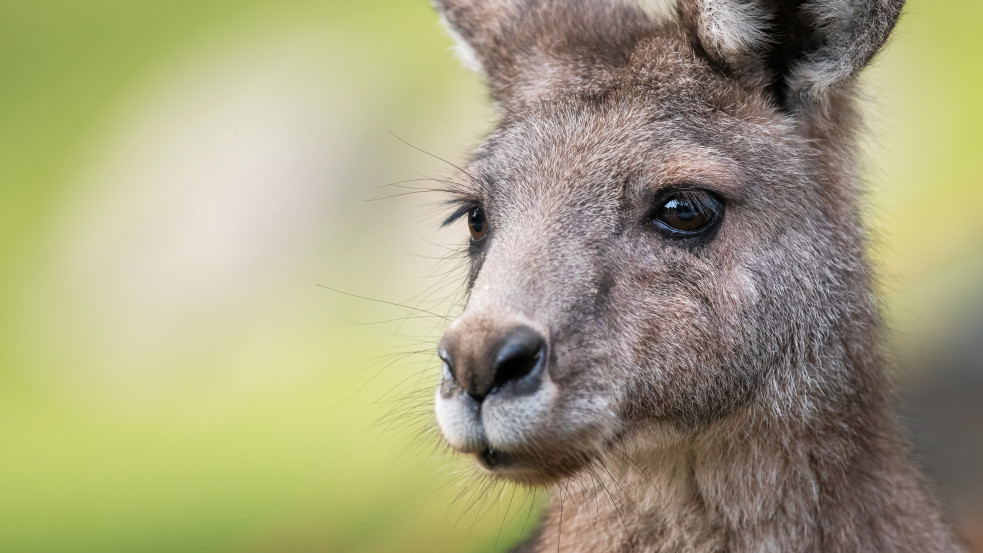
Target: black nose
(483, 366)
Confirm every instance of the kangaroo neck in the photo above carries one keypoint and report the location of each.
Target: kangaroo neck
(751, 483)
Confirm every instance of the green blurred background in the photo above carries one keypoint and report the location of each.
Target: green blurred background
(176, 180)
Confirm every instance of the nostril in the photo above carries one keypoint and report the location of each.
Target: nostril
(521, 353)
(479, 363)
(514, 365)
(448, 365)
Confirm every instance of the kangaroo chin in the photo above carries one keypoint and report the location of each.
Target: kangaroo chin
(670, 320)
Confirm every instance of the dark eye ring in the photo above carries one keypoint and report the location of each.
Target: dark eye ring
(477, 224)
(687, 213)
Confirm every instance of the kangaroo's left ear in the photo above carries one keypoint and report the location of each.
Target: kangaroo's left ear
(524, 47)
(798, 49)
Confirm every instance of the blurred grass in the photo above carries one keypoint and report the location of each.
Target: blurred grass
(240, 439)
(138, 416)
(926, 168)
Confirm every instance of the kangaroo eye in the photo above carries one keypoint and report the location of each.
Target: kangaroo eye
(477, 224)
(687, 213)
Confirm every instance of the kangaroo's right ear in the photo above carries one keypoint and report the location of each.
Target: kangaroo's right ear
(798, 49)
(522, 47)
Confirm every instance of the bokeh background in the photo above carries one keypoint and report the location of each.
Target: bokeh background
(191, 190)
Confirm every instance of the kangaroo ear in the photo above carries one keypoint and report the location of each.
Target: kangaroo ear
(523, 47)
(798, 49)
(478, 28)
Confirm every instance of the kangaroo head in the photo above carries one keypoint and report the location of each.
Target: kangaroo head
(662, 225)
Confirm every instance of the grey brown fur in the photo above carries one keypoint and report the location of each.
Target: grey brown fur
(725, 394)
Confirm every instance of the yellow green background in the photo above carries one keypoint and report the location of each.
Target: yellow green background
(178, 178)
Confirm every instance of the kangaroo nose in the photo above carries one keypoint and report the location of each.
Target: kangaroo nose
(483, 366)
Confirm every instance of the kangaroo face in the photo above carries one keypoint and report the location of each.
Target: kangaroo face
(651, 234)
(620, 256)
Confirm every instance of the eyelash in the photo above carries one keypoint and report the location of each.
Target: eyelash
(705, 202)
(463, 208)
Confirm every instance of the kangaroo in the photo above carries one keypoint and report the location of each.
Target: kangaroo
(670, 319)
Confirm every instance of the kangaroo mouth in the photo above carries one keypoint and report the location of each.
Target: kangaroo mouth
(528, 470)
(539, 464)
(492, 459)
(534, 438)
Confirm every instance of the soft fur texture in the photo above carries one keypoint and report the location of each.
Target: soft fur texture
(721, 395)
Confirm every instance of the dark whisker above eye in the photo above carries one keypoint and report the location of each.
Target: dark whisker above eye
(435, 156)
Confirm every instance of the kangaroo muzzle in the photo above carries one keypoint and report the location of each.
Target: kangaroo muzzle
(485, 359)
(495, 392)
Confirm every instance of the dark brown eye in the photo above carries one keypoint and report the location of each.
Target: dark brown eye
(688, 212)
(477, 224)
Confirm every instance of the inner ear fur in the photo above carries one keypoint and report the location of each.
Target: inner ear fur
(523, 47)
(799, 50)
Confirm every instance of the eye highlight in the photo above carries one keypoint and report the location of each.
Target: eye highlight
(477, 224)
(686, 213)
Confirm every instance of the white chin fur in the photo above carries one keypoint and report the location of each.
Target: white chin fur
(503, 423)
(459, 422)
(513, 422)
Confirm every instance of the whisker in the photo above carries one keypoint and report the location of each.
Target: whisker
(435, 156)
(506, 515)
(396, 304)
